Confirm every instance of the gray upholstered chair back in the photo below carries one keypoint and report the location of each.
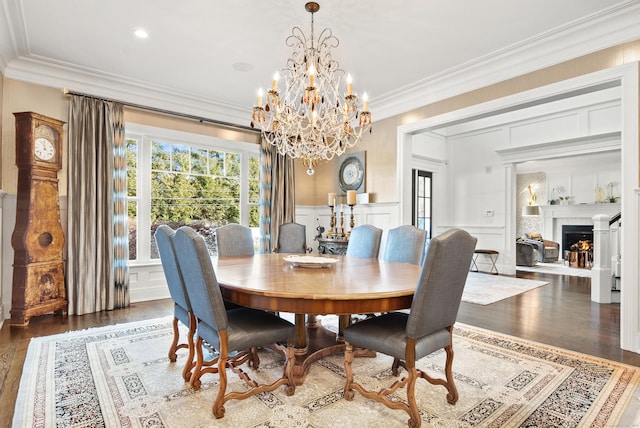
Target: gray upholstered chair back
(164, 238)
(439, 291)
(234, 240)
(364, 242)
(292, 238)
(405, 244)
(200, 279)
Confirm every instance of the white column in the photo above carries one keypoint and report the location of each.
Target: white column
(601, 270)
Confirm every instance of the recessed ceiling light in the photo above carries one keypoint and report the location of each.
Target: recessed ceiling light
(139, 32)
(243, 66)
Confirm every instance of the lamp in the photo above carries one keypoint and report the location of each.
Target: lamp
(530, 209)
(312, 119)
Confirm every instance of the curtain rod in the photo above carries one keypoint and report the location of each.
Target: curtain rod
(167, 112)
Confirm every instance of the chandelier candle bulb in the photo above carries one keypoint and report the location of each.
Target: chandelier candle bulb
(349, 85)
(351, 197)
(260, 93)
(312, 76)
(275, 81)
(365, 102)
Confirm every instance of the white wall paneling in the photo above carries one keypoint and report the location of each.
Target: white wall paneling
(595, 113)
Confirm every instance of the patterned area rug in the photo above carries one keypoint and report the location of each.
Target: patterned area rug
(484, 289)
(119, 376)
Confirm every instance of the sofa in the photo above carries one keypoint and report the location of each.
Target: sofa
(548, 251)
(526, 254)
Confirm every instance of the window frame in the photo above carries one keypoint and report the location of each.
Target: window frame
(416, 173)
(145, 135)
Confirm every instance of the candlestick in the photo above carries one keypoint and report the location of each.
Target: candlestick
(352, 223)
(342, 224)
(332, 222)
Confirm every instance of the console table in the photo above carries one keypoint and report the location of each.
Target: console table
(336, 246)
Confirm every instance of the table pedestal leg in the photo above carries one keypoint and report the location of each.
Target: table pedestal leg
(300, 341)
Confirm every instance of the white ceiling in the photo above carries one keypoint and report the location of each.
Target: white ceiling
(403, 54)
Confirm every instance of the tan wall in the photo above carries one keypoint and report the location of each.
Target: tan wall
(20, 96)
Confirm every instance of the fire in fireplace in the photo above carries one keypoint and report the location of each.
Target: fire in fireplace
(577, 245)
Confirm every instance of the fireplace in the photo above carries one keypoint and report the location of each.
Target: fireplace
(577, 245)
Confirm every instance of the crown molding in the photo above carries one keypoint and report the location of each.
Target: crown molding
(591, 34)
(596, 32)
(117, 88)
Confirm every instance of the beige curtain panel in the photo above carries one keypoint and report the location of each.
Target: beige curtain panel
(96, 231)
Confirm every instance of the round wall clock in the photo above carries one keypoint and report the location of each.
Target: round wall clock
(351, 175)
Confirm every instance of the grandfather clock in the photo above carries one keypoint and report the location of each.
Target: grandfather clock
(37, 240)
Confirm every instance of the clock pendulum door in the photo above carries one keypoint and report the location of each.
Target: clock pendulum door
(38, 239)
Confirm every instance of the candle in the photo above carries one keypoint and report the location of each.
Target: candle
(349, 85)
(332, 200)
(260, 97)
(275, 81)
(312, 76)
(351, 197)
(365, 102)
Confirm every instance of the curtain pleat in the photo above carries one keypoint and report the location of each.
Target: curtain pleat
(265, 196)
(96, 133)
(277, 194)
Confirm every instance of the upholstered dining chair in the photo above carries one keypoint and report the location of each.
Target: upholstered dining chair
(405, 244)
(234, 239)
(292, 238)
(364, 242)
(427, 327)
(232, 333)
(182, 307)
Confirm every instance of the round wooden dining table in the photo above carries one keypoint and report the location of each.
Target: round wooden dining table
(343, 286)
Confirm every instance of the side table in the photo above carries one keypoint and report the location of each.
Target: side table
(337, 246)
(492, 255)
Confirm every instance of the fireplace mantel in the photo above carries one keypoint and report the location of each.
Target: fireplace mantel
(555, 216)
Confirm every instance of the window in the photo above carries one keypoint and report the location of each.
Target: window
(422, 200)
(180, 179)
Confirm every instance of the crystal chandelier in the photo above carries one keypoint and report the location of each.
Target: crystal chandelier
(312, 119)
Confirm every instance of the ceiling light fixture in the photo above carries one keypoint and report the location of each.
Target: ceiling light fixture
(139, 32)
(314, 118)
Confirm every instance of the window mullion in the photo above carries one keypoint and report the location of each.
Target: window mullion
(144, 199)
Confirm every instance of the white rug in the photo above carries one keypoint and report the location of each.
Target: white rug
(484, 289)
(119, 376)
(557, 268)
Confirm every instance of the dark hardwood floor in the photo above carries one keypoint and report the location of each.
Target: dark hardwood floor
(559, 314)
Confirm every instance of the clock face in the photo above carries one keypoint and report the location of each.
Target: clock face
(351, 174)
(44, 149)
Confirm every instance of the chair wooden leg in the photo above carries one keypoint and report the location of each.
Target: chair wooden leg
(414, 416)
(218, 404)
(194, 379)
(288, 369)
(254, 358)
(348, 359)
(186, 372)
(174, 345)
(452, 396)
(395, 367)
